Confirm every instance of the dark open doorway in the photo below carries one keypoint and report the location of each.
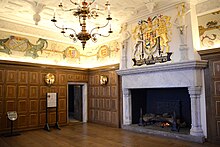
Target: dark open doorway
(75, 93)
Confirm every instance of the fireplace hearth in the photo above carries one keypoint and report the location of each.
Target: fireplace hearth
(160, 106)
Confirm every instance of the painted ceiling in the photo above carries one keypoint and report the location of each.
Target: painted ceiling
(38, 13)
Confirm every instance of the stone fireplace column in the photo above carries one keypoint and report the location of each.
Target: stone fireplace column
(126, 107)
(196, 127)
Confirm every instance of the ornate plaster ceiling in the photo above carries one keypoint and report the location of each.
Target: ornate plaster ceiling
(38, 13)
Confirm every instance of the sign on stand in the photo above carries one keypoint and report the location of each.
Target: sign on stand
(51, 102)
(51, 99)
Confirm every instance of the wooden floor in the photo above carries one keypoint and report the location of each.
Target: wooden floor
(91, 135)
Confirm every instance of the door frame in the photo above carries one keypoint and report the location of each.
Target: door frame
(84, 100)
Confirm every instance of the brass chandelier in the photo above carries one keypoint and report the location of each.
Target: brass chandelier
(84, 10)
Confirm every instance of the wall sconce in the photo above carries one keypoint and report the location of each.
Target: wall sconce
(49, 79)
(103, 80)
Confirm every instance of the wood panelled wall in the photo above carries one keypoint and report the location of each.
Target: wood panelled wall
(22, 89)
(212, 90)
(104, 100)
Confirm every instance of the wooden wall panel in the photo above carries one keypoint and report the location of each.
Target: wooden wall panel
(101, 103)
(108, 104)
(216, 68)
(62, 117)
(91, 80)
(102, 116)
(11, 91)
(92, 103)
(62, 91)
(33, 120)
(52, 118)
(217, 110)
(91, 91)
(70, 77)
(11, 76)
(34, 78)
(104, 99)
(23, 77)
(23, 89)
(114, 91)
(2, 75)
(62, 104)
(107, 91)
(212, 91)
(42, 119)
(217, 88)
(22, 106)
(77, 77)
(33, 92)
(96, 103)
(1, 108)
(43, 91)
(22, 92)
(91, 114)
(97, 79)
(108, 117)
(3, 122)
(84, 77)
(218, 128)
(43, 105)
(10, 105)
(62, 79)
(96, 91)
(42, 78)
(1, 91)
(22, 121)
(53, 89)
(113, 78)
(114, 104)
(115, 118)
(33, 105)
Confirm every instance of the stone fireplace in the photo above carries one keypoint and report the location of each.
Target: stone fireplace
(186, 75)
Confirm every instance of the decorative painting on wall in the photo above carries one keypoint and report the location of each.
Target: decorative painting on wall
(72, 53)
(14, 43)
(209, 30)
(152, 37)
(44, 51)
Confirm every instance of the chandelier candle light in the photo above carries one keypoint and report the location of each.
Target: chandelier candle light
(84, 11)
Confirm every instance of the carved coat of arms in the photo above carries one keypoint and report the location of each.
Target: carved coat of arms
(152, 37)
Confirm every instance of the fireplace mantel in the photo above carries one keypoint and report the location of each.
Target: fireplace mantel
(181, 74)
(196, 64)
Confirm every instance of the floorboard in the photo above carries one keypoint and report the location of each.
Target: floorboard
(92, 135)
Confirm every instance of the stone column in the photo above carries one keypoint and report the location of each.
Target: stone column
(127, 107)
(196, 127)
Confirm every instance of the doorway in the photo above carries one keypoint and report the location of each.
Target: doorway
(77, 102)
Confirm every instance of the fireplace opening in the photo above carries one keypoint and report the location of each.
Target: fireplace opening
(166, 108)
